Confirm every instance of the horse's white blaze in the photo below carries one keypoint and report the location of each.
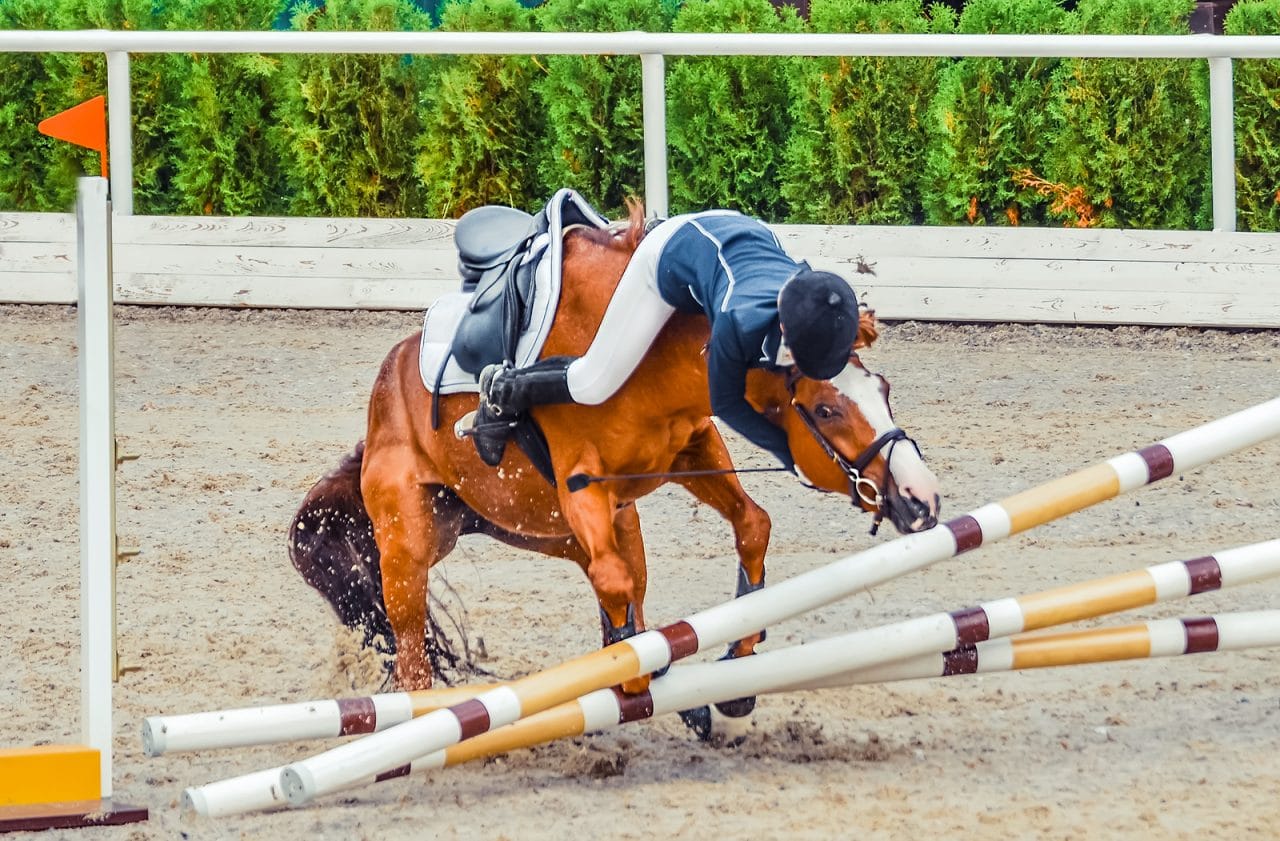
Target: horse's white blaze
(912, 475)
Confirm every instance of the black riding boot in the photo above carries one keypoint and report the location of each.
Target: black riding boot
(506, 393)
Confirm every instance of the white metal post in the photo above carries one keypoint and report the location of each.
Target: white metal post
(1223, 143)
(97, 468)
(120, 132)
(654, 97)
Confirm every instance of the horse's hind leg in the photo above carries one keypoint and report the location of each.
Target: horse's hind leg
(415, 525)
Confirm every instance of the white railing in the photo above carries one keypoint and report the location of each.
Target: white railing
(652, 48)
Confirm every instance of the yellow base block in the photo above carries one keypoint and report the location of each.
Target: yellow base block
(49, 774)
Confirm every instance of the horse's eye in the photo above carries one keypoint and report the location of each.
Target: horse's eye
(824, 411)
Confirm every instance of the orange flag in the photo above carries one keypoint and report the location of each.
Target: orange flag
(84, 125)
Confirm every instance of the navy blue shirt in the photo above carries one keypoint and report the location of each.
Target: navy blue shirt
(731, 267)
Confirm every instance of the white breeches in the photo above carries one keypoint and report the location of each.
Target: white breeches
(635, 316)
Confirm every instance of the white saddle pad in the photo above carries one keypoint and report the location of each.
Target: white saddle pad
(441, 322)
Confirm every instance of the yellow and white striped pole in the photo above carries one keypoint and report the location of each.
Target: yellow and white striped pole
(652, 650)
(326, 719)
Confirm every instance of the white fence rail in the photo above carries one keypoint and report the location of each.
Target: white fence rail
(948, 274)
(1052, 275)
(651, 47)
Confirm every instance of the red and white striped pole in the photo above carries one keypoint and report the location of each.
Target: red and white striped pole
(686, 686)
(274, 723)
(1156, 638)
(398, 746)
(326, 719)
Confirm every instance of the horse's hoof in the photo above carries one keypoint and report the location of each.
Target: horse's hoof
(698, 720)
(738, 708)
(729, 732)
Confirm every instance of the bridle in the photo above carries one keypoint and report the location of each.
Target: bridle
(861, 487)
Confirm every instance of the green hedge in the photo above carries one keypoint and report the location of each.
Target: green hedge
(726, 131)
(218, 116)
(827, 140)
(482, 124)
(595, 121)
(1104, 110)
(857, 144)
(37, 172)
(989, 120)
(347, 125)
(1257, 113)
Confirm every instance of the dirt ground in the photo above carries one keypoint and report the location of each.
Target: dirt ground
(236, 413)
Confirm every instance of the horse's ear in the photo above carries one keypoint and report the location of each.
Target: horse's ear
(868, 328)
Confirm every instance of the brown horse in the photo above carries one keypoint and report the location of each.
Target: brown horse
(367, 534)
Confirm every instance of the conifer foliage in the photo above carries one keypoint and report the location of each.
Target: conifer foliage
(220, 114)
(482, 124)
(1105, 110)
(989, 120)
(37, 172)
(726, 129)
(347, 124)
(835, 140)
(595, 117)
(1257, 118)
(857, 144)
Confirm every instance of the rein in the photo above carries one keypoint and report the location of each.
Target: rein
(860, 487)
(578, 481)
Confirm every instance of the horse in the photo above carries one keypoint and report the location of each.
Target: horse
(367, 535)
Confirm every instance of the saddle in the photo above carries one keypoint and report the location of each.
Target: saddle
(496, 260)
(499, 249)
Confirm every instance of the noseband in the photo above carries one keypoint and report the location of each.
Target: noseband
(860, 487)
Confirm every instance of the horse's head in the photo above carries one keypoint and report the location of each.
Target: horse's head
(843, 438)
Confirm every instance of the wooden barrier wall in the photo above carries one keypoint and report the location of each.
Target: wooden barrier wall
(1051, 275)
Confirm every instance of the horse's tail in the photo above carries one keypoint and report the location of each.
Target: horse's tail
(331, 545)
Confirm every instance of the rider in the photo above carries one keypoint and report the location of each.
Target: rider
(765, 308)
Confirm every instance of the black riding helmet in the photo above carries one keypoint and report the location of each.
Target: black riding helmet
(818, 312)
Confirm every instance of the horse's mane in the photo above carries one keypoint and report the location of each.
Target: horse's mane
(622, 237)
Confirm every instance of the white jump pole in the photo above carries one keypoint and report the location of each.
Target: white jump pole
(703, 683)
(652, 650)
(400, 745)
(935, 645)
(1156, 638)
(275, 723)
(687, 687)
(97, 467)
(334, 718)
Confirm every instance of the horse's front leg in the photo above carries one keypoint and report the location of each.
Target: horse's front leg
(751, 527)
(615, 564)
